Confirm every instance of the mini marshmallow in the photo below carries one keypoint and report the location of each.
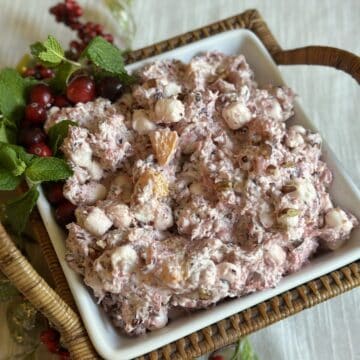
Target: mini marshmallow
(96, 222)
(236, 115)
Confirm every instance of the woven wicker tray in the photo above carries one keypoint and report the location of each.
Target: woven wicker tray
(58, 305)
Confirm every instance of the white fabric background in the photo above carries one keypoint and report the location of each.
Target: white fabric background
(330, 331)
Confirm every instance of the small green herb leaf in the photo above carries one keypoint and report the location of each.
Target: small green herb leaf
(20, 151)
(58, 133)
(37, 48)
(104, 55)
(8, 181)
(18, 210)
(48, 169)
(12, 94)
(8, 131)
(10, 161)
(62, 75)
(107, 57)
(51, 53)
(244, 351)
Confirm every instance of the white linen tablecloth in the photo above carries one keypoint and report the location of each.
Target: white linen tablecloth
(330, 331)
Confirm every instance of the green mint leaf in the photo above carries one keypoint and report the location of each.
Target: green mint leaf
(10, 160)
(20, 151)
(49, 53)
(8, 131)
(53, 53)
(63, 73)
(13, 90)
(8, 181)
(48, 169)
(244, 351)
(19, 210)
(107, 57)
(37, 48)
(58, 133)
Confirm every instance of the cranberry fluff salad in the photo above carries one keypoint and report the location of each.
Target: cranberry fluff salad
(190, 189)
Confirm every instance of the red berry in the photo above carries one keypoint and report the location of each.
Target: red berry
(81, 89)
(98, 29)
(40, 149)
(110, 88)
(108, 37)
(31, 135)
(41, 94)
(217, 357)
(53, 347)
(49, 335)
(64, 213)
(47, 73)
(54, 193)
(35, 113)
(75, 45)
(61, 101)
(64, 354)
(29, 72)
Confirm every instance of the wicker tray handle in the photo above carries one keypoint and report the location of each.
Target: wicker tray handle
(321, 55)
(309, 55)
(20, 272)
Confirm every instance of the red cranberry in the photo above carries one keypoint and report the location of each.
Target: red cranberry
(54, 193)
(61, 101)
(64, 354)
(217, 357)
(110, 88)
(34, 113)
(76, 45)
(49, 335)
(40, 149)
(108, 37)
(65, 213)
(31, 135)
(29, 72)
(47, 73)
(81, 89)
(41, 94)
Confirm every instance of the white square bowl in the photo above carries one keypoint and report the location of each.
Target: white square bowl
(107, 340)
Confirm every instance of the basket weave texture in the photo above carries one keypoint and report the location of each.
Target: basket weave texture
(59, 305)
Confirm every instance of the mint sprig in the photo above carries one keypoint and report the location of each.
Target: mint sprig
(11, 161)
(8, 181)
(62, 76)
(15, 166)
(244, 351)
(13, 89)
(47, 169)
(58, 133)
(99, 52)
(8, 130)
(105, 55)
(50, 53)
(19, 209)
(13, 93)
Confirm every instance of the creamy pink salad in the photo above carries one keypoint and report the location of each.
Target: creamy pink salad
(191, 189)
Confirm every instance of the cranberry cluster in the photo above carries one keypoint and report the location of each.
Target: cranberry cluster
(51, 339)
(81, 89)
(69, 13)
(33, 137)
(39, 72)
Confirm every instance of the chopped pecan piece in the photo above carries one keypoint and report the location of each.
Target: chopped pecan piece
(156, 180)
(164, 143)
